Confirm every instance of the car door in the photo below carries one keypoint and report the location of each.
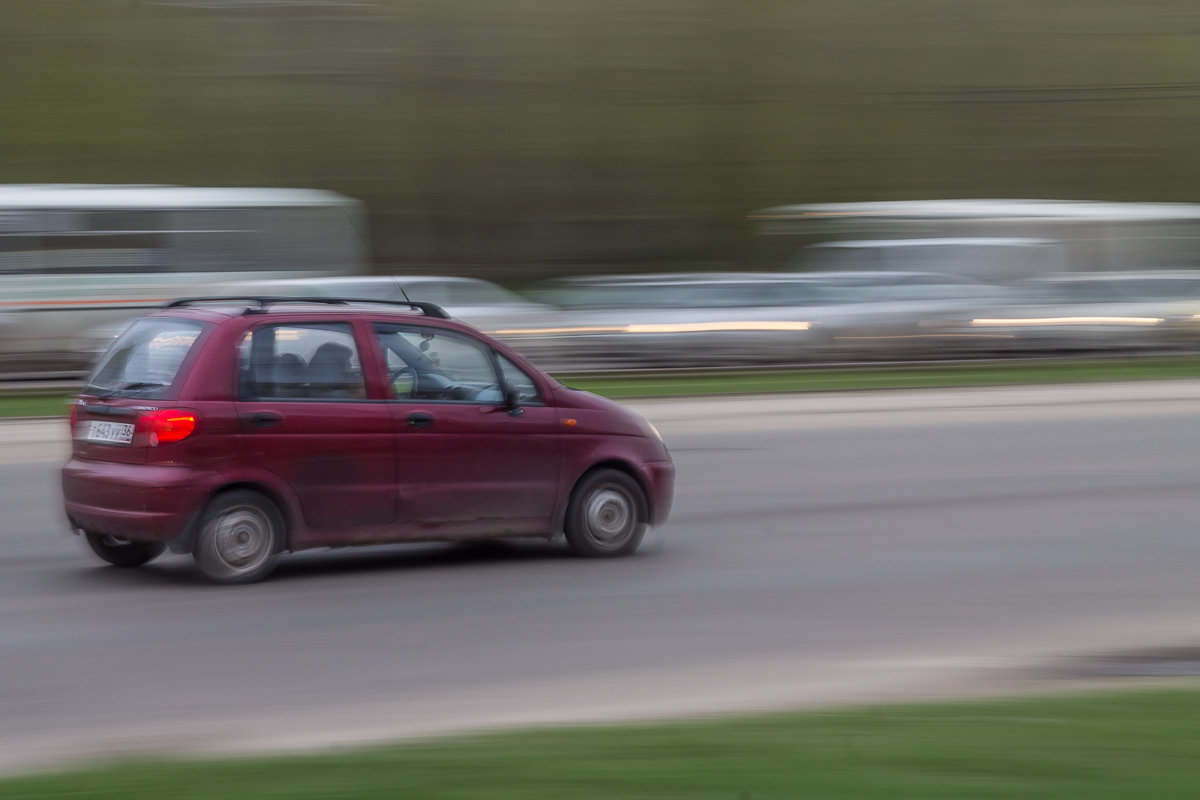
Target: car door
(305, 420)
(468, 462)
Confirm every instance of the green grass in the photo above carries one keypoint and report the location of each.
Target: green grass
(888, 378)
(1135, 745)
(804, 380)
(54, 405)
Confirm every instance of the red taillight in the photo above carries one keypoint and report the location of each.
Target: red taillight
(74, 416)
(168, 425)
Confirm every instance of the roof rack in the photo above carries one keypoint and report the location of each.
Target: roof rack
(429, 309)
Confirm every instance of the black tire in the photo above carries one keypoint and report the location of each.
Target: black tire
(122, 552)
(239, 538)
(606, 516)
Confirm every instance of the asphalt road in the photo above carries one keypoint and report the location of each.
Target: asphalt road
(824, 549)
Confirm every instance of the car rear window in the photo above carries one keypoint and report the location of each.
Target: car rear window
(144, 360)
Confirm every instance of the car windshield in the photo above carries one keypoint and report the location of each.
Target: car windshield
(144, 360)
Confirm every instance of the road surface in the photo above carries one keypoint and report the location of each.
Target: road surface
(829, 548)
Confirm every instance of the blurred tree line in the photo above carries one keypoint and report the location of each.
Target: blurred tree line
(526, 138)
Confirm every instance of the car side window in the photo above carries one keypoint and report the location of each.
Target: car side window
(518, 380)
(316, 361)
(435, 365)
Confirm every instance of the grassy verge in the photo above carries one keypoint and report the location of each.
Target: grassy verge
(1135, 745)
(33, 406)
(805, 380)
(888, 377)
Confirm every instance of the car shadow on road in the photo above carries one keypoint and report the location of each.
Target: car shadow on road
(443, 555)
(173, 570)
(392, 558)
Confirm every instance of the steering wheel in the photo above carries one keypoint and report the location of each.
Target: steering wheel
(399, 372)
(489, 394)
(435, 386)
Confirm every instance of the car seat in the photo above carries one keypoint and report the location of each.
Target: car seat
(330, 375)
(289, 376)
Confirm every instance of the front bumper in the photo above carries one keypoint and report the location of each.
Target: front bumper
(660, 479)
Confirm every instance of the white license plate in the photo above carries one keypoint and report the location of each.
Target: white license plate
(94, 430)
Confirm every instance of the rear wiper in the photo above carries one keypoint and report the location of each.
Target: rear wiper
(132, 386)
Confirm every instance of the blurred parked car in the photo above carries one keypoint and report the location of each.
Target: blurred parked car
(894, 313)
(698, 319)
(1091, 311)
(681, 319)
(480, 303)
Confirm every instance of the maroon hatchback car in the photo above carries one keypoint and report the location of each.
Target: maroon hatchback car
(235, 429)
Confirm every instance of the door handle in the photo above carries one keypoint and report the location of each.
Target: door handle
(264, 419)
(419, 419)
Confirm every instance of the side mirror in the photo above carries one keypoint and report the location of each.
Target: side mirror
(512, 402)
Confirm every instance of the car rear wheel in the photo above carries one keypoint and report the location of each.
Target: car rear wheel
(606, 515)
(239, 538)
(123, 552)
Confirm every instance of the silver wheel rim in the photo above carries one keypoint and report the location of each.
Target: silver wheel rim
(609, 517)
(242, 539)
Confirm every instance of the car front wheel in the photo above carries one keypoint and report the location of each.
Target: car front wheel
(239, 538)
(606, 515)
(122, 552)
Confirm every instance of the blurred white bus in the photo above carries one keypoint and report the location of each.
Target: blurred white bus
(999, 240)
(80, 258)
(1006, 258)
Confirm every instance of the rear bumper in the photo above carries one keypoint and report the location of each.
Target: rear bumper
(660, 479)
(132, 501)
